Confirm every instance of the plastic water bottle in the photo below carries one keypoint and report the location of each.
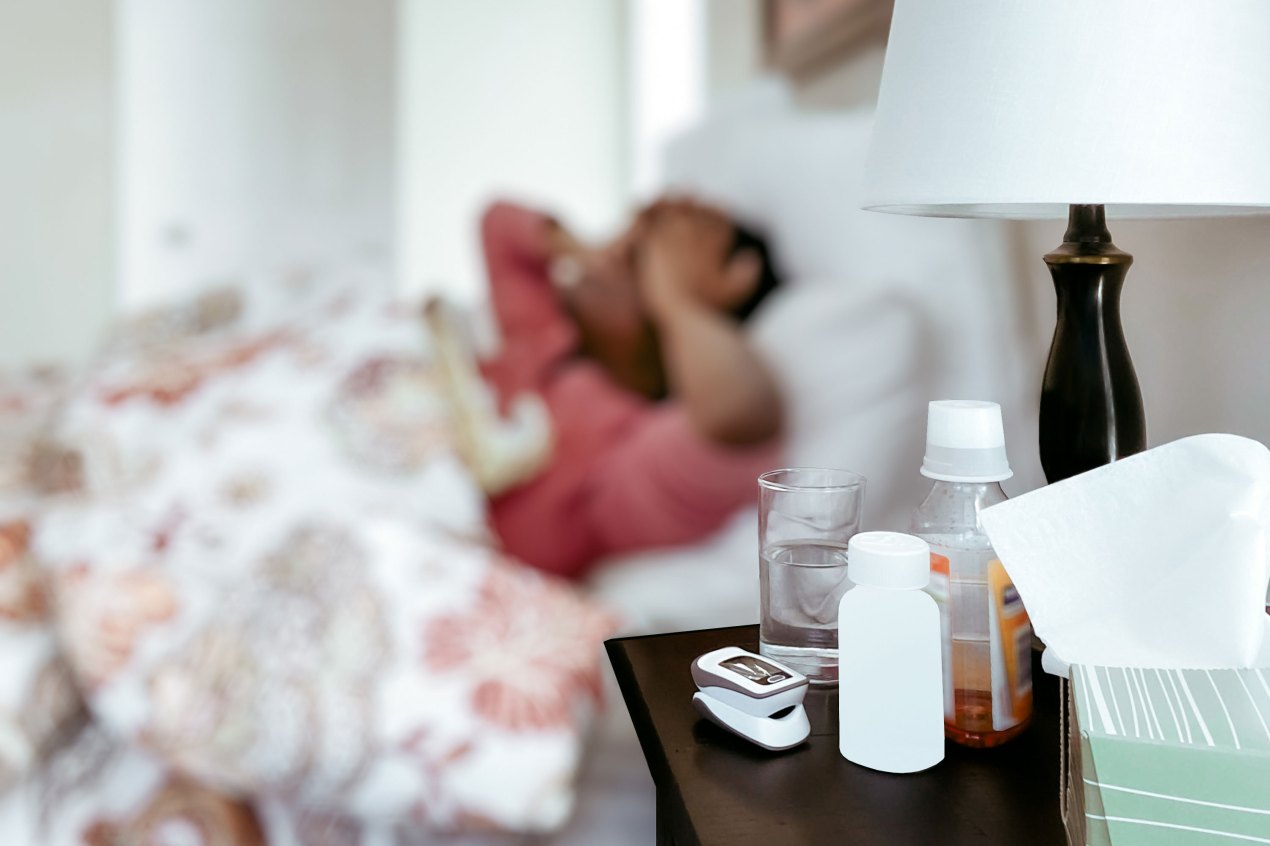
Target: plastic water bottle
(987, 637)
(890, 714)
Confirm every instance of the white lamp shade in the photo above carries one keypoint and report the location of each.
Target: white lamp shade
(1018, 108)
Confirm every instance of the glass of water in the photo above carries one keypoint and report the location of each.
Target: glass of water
(806, 516)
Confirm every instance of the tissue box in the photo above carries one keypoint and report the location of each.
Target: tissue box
(1167, 757)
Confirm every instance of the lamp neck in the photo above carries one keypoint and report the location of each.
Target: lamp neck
(1087, 239)
(1087, 224)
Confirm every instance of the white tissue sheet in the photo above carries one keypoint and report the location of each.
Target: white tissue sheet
(1157, 560)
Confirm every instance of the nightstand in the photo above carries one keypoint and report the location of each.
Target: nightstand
(714, 788)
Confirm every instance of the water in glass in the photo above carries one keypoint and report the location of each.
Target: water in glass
(801, 583)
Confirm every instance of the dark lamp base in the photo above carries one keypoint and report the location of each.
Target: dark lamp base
(1091, 406)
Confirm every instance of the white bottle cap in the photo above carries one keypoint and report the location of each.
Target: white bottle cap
(888, 560)
(965, 442)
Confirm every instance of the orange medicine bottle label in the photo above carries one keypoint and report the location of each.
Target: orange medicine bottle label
(939, 591)
(1011, 633)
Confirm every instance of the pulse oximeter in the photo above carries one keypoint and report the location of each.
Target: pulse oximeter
(751, 696)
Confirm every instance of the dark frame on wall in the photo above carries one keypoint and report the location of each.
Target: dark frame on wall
(803, 37)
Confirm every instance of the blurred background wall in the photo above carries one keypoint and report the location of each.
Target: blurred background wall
(522, 98)
(57, 183)
(152, 146)
(250, 133)
(564, 102)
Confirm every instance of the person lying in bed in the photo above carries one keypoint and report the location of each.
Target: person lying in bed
(662, 412)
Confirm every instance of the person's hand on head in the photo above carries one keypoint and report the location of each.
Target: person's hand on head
(558, 240)
(686, 260)
(597, 285)
(606, 266)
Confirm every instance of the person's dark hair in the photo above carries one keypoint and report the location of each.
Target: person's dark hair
(746, 239)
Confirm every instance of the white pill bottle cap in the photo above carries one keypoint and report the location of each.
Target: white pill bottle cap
(888, 560)
(965, 442)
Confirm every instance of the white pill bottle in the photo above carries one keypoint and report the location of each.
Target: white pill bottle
(890, 672)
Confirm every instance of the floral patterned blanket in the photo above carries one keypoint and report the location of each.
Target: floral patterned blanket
(242, 543)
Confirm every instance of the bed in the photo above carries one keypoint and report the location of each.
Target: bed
(878, 315)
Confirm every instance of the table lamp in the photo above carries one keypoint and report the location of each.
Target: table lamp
(1088, 109)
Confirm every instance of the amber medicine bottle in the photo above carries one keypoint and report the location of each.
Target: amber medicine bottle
(985, 631)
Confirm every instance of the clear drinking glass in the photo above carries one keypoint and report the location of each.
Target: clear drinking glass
(806, 516)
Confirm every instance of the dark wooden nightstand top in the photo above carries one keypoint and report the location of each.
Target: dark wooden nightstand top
(713, 788)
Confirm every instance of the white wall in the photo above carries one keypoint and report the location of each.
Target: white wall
(668, 75)
(56, 186)
(734, 44)
(503, 97)
(251, 133)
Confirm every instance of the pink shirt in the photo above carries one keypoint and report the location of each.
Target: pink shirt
(626, 473)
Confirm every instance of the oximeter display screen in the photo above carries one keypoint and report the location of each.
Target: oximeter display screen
(755, 669)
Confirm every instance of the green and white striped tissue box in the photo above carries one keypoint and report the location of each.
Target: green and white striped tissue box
(1164, 757)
